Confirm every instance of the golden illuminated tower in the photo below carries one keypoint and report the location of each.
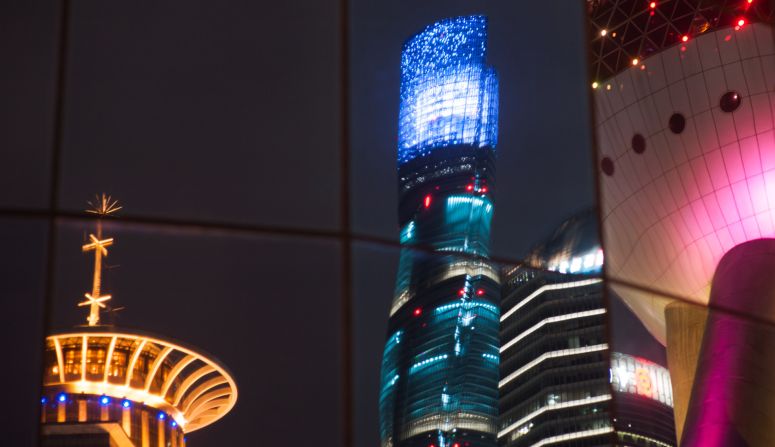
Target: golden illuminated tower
(105, 386)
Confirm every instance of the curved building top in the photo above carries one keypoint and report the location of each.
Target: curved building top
(574, 247)
(449, 96)
(624, 32)
(191, 387)
(686, 154)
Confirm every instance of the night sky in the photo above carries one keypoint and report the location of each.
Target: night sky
(231, 112)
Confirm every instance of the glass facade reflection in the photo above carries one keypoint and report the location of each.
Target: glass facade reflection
(560, 384)
(440, 362)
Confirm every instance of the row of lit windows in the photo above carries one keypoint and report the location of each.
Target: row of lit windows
(145, 426)
(72, 363)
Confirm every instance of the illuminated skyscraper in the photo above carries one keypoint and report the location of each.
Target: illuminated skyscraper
(440, 363)
(103, 386)
(560, 385)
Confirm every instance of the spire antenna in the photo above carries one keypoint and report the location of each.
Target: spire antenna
(102, 207)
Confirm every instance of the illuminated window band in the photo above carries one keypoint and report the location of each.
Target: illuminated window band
(551, 355)
(550, 320)
(462, 421)
(644, 439)
(427, 362)
(572, 436)
(567, 285)
(468, 267)
(557, 406)
(449, 96)
(467, 305)
(591, 262)
(633, 375)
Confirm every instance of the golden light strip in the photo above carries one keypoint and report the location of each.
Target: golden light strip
(205, 406)
(189, 399)
(60, 360)
(84, 346)
(135, 356)
(209, 397)
(109, 359)
(155, 367)
(201, 389)
(190, 380)
(210, 413)
(175, 372)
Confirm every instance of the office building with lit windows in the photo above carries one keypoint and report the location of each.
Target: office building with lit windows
(103, 386)
(440, 363)
(559, 383)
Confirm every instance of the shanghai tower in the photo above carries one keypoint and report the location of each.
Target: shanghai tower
(439, 379)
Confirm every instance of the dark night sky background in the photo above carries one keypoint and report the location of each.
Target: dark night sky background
(230, 111)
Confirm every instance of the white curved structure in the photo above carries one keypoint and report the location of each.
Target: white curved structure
(672, 210)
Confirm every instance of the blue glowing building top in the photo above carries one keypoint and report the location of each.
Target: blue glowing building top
(449, 96)
(439, 383)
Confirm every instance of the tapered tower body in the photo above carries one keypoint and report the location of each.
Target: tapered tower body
(439, 380)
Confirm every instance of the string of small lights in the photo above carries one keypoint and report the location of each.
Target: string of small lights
(625, 32)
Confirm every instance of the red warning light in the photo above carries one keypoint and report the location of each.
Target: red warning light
(427, 201)
(483, 189)
(417, 312)
(461, 292)
(480, 292)
(469, 187)
(740, 23)
(684, 38)
(653, 5)
(457, 444)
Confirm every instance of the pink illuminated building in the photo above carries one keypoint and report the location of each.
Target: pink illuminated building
(684, 95)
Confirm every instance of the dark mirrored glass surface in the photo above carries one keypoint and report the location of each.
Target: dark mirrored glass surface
(206, 112)
(29, 50)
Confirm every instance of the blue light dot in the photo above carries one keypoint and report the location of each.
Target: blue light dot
(162, 416)
(104, 400)
(43, 400)
(174, 424)
(125, 403)
(62, 397)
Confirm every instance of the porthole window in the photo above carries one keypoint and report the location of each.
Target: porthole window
(677, 123)
(607, 165)
(638, 143)
(730, 101)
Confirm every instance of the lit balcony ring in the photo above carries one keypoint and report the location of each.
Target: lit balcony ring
(204, 394)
